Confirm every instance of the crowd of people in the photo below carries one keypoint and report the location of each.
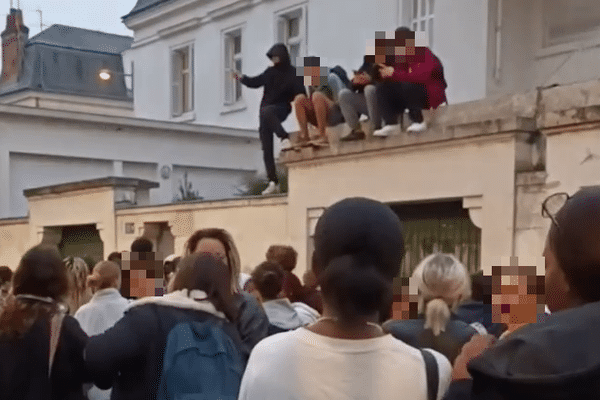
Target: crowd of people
(400, 74)
(212, 332)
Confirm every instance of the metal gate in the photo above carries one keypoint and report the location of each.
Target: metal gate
(438, 227)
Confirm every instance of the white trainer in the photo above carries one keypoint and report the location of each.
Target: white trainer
(272, 188)
(386, 130)
(286, 144)
(417, 127)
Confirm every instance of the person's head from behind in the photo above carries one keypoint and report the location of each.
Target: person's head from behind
(285, 256)
(218, 243)
(572, 251)
(268, 280)
(443, 283)
(106, 275)
(78, 273)
(210, 275)
(279, 55)
(358, 251)
(42, 274)
(115, 257)
(141, 245)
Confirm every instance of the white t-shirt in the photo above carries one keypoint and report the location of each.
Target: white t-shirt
(302, 365)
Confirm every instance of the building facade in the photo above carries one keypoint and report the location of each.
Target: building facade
(62, 122)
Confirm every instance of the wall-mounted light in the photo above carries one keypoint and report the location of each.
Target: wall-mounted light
(107, 74)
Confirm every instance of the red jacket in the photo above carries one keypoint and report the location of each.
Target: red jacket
(427, 71)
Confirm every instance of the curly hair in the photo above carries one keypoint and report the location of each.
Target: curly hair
(285, 256)
(78, 272)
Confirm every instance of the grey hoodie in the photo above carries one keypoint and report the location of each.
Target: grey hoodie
(286, 315)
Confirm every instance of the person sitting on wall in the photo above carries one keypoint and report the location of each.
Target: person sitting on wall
(413, 80)
(321, 107)
(281, 85)
(360, 99)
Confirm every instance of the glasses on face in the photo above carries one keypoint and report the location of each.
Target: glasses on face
(553, 204)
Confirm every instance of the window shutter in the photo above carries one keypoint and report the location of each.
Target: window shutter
(191, 79)
(281, 31)
(228, 66)
(177, 68)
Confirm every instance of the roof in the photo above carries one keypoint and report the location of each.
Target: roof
(82, 39)
(143, 5)
(67, 60)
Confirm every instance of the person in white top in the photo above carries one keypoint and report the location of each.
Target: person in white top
(106, 307)
(346, 355)
(268, 278)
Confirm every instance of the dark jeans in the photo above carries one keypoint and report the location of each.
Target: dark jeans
(395, 97)
(271, 117)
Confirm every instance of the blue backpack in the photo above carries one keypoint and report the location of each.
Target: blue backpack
(201, 362)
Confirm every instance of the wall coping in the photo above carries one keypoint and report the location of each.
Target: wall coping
(111, 181)
(14, 221)
(249, 201)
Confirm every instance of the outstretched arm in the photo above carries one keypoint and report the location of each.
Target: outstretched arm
(255, 81)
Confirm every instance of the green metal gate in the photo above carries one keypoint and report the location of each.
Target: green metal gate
(438, 227)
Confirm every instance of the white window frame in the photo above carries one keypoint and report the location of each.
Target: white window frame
(231, 87)
(282, 29)
(181, 107)
(418, 16)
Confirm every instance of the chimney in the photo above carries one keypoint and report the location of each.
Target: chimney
(14, 39)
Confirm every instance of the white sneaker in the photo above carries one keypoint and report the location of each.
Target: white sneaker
(286, 144)
(386, 130)
(417, 127)
(272, 188)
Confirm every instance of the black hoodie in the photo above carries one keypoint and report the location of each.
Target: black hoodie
(557, 359)
(280, 81)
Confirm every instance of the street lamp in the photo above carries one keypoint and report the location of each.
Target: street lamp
(107, 74)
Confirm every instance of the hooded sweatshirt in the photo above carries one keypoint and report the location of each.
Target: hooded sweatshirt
(281, 84)
(286, 315)
(556, 359)
(427, 70)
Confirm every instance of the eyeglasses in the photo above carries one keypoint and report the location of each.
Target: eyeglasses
(552, 205)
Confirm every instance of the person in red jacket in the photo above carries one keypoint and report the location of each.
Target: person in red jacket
(413, 80)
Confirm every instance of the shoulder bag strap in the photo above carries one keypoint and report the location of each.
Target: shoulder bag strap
(431, 371)
(55, 327)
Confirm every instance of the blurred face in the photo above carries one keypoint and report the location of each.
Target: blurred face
(275, 60)
(516, 297)
(214, 248)
(557, 288)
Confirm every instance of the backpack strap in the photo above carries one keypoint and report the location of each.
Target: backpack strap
(431, 371)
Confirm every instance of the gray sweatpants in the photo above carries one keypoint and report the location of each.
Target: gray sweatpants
(354, 104)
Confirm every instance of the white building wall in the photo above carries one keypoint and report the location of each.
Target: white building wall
(40, 151)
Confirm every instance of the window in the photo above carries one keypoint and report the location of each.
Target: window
(182, 84)
(291, 30)
(570, 20)
(422, 18)
(233, 61)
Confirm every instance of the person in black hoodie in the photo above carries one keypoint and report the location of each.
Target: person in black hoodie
(281, 85)
(558, 358)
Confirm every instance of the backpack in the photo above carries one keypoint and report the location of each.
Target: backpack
(201, 362)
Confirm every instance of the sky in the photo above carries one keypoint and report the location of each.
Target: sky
(102, 15)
